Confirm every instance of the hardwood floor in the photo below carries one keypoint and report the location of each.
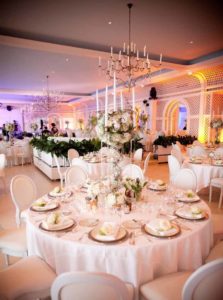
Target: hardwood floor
(44, 185)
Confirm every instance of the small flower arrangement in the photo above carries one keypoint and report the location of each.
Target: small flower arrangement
(216, 123)
(119, 128)
(9, 127)
(34, 126)
(134, 187)
(143, 117)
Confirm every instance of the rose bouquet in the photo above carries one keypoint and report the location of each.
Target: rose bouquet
(9, 127)
(134, 187)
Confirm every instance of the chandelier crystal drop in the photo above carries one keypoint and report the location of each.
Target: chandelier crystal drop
(127, 66)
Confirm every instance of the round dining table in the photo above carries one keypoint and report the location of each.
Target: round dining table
(204, 170)
(138, 256)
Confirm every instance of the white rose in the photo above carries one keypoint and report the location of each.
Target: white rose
(110, 200)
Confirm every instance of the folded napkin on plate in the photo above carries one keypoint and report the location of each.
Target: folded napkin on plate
(194, 212)
(108, 231)
(162, 226)
(55, 222)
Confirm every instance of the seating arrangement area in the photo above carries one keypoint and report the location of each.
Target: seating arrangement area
(111, 150)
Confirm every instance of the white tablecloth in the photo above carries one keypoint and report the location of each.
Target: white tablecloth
(137, 263)
(14, 153)
(204, 173)
(98, 170)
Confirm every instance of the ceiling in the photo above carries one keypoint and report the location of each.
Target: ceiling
(63, 39)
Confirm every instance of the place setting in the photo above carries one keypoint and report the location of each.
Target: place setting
(42, 205)
(56, 221)
(192, 213)
(157, 185)
(59, 192)
(187, 196)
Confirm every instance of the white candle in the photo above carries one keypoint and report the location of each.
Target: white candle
(128, 61)
(121, 101)
(144, 51)
(124, 47)
(134, 48)
(114, 91)
(131, 46)
(137, 56)
(119, 57)
(133, 106)
(128, 50)
(106, 106)
(97, 103)
(161, 56)
(99, 61)
(111, 51)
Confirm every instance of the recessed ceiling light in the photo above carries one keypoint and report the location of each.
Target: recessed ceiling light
(109, 22)
(191, 42)
(189, 72)
(67, 59)
(53, 72)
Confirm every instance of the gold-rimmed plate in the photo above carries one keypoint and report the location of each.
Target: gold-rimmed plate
(151, 229)
(157, 188)
(61, 194)
(46, 208)
(95, 236)
(68, 225)
(186, 213)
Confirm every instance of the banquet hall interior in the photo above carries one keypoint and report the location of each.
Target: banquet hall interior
(111, 150)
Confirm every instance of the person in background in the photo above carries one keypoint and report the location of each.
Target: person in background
(45, 131)
(54, 129)
(4, 131)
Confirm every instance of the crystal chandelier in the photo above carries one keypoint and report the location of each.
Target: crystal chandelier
(127, 64)
(48, 101)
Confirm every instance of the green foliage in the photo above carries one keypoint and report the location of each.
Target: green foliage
(61, 148)
(135, 145)
(168, 140)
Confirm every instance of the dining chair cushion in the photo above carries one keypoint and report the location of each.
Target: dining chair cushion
(13, 241)
(167, 287)
(30, 278)
(215, 253)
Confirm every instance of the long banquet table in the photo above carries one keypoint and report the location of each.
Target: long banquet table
(137, 263)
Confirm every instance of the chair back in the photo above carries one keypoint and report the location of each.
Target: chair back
(146, 162)
(205, 283)
(23, 193)
(2, 164)
(176, 147)
(132, 171)
(185, 179)
(2, 161)
(174, 166)
(219, 152)
(178, 155)
(198, 151)
(138, 155)
(80, 162)
(85, 286)
(75, 175)
(72, 153)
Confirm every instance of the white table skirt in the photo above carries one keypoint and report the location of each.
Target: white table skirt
(137, 263)
(204, 173)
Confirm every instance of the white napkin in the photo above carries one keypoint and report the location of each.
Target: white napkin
(161, 226)
(63, 223)
(110, 231)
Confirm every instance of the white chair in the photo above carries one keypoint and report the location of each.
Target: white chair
(132, 171)
(217, 220)
(174, 167)
(137, 157)
(60, 172)
(75, 175)
(146, 162)
(72, 153)
(13, 243)
(23, 152)
(218, 183)
(90, 286)
(81, 163)
(203, 284)
(29, 278)
(198, 151)
(2, 168)
(178, 155)
(176, 147)
(219, 152)
(185, 179)
(23, 193)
